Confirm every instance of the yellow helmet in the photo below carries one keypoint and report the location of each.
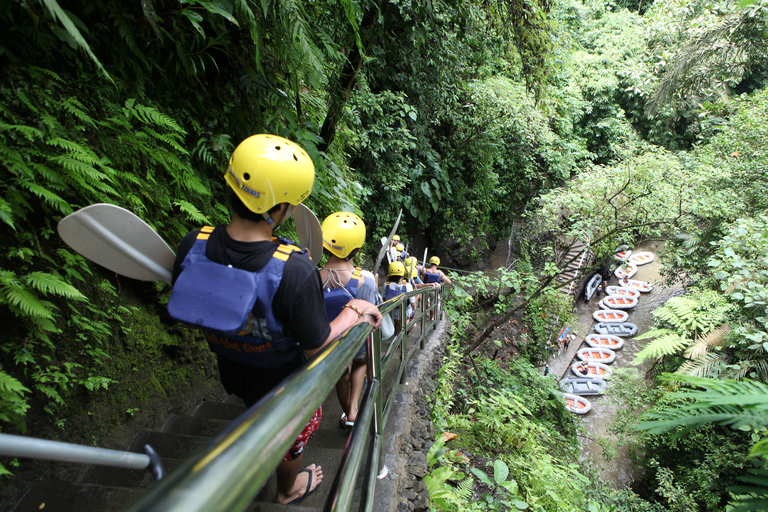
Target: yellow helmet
(396, 238)
(396, 268)
(343, 232)
(410, 266)
(266, 170)
(399, 247)
(434, 260)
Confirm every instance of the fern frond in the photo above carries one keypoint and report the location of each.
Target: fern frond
(750, 497)
(49, 283)
(668, 344)
(49, 197)
(30, 133)
(654, 333)
(464, 489)
(10, 386)
(171, 139)
(680, 312)
(6, 213)
(152, 116)
(23, 300)
(77, 109)
(49, 175)
(75, 165)
(714, 339)
(726, 402)
(70, 146)
(193, 184)
(192, 212)
(22, 96)
(702, 366)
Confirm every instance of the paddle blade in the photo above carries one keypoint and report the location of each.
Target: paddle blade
(385, 245)
(309, 231)
(117, 239)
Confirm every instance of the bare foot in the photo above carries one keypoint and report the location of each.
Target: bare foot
(312, 475)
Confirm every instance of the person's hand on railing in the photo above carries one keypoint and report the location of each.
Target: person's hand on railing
(367, 312)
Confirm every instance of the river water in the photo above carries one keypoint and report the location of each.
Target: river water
(620, 471)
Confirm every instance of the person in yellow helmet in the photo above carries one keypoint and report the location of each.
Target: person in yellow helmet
(433, 274)
(267, 176)
(435, 277)
(343, 236)
(396, 249)
(396, 286)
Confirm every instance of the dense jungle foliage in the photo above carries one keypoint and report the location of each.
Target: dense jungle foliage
(555, 122)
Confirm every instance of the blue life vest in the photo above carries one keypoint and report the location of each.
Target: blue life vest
(390, 293)
(215, 297)
(335, 298)
(433, 278)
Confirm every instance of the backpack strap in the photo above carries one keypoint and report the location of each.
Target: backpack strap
(205, 233)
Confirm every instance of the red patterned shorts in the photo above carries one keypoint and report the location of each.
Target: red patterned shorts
(309, 430)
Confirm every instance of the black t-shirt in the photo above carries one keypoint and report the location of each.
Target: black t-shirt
(298, 303)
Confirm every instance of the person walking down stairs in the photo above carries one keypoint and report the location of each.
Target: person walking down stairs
(343, 236)
(283, 322)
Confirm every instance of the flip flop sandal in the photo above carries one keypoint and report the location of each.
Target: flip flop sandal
(309, 488)
(345, 423)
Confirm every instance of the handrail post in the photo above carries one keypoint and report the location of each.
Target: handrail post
(404, 341)
(423, 320)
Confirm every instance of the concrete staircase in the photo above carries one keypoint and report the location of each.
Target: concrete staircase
(106, 489)
(572, 270)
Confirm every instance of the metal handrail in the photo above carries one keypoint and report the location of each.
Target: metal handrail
(228, 472)
(33, 448)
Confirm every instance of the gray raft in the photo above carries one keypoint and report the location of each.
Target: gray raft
(616, 328)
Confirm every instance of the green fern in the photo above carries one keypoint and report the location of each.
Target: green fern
(6, 213)
(667, 342)
(53, 200)
(152, 116)
(706, 365)
(192, 212)
(13, 404)
(714, 339)
(20, 298)
(49, 283)
(736, 404)
(748, 498)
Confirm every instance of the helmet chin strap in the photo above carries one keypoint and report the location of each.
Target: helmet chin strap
(271, 221)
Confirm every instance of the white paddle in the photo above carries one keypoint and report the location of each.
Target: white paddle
(309, 231)
(117, 239)
(385, 244)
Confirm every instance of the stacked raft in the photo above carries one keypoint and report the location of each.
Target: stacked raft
(592, 369)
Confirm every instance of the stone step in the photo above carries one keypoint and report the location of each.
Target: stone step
(315, 453)
(194, 426)
(120, 477)
(167, 445)
(53, 495)
(219, 410)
